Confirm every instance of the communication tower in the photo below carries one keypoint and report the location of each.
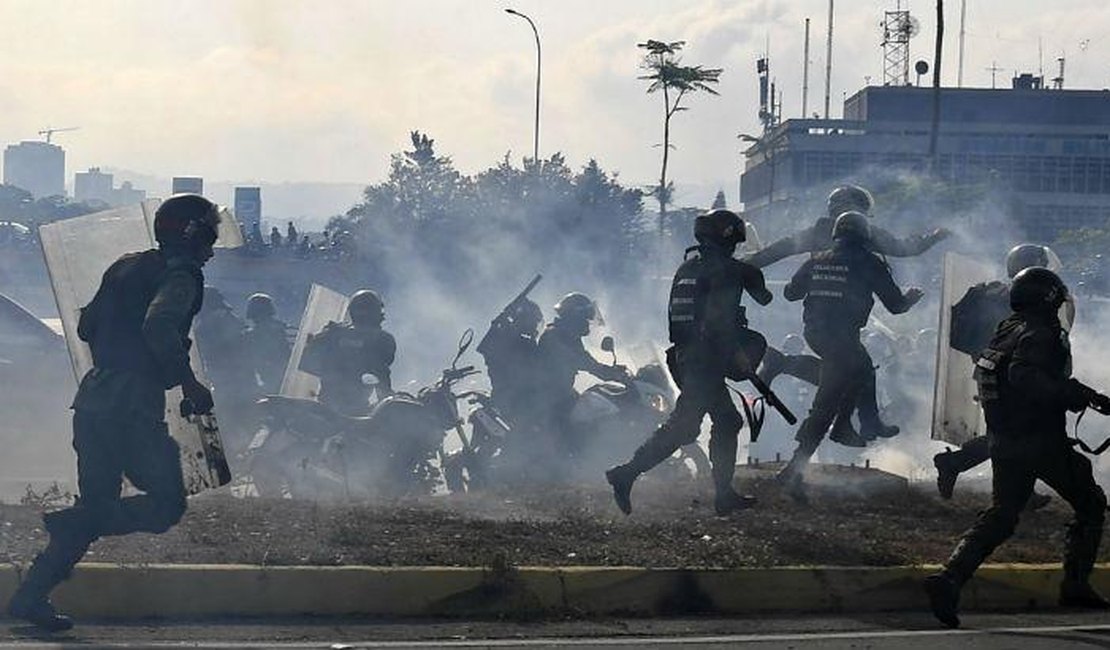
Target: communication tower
(898, 28)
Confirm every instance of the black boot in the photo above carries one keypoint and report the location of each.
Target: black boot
(1081, 595)
(621, 479)
(950, 464)
(31, 600)
(872, 429)
(729, 501)
(944, 598)
(844, 433)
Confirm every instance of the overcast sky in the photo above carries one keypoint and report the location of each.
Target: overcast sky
(325, 90)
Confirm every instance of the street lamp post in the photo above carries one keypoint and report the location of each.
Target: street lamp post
(536, 131)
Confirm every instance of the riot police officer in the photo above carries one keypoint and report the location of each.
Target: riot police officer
(137, 327)
(1026, 389)
(342, 353)
(838, 286)
(561, 355)
(819, 237)
(510, 350)
(267, 342)
(708, 330)
(976, 316)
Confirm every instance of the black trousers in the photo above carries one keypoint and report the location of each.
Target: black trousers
(110, 447)
(808, 368)
(703, 392)
(1066, 471)
(843, 374)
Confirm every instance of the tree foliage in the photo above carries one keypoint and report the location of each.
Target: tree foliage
(544, 215)
(665, 72)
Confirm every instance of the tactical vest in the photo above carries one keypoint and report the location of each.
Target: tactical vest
(704, 300)
(839, 294)
(112, 323)
(992, 368)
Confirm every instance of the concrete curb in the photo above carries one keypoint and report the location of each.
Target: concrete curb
(185, 591)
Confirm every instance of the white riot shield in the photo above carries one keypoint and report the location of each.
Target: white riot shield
(77, 252)
(324, 306)
(957, 417)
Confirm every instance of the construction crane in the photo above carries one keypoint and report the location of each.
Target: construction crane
(49, 131)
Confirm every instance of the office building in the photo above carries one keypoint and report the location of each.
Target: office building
(38, 167)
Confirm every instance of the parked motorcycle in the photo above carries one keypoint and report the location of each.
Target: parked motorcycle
(305, 447)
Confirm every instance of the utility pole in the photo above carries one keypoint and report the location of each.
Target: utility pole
(536, 128)
(828, 60)
(805, 75)
(963, 22)
(935, 127)
(994, 70)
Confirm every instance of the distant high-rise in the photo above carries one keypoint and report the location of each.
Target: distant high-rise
(93, 185)
(188, 185)
(248, 207)
(38, 167)
(97, 186)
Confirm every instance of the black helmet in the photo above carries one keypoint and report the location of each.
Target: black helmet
(849, 197)
(366, 306)
(1024, 256)
(719, 227)
(527, 316)
(576, 307)
(1036, 288)
(260, 306)
(186, 220)
(852, 225)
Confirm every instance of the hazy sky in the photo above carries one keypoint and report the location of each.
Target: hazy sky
(325, 90)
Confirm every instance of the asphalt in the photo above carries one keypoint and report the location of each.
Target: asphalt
(911, 630)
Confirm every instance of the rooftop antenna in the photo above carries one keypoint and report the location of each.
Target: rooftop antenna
(994, 70)
(1040, 57)
(960, 67)
(828, 60)
(898, 28)
(49, 132)
(805, 73)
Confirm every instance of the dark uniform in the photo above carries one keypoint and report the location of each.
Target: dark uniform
(708, 328)
(838, 286)
(340, 355)
(1026, 390)
(974, 320)
(814, 239)
(511, 358)
(267, 344)
(137, 327)
(560, 356)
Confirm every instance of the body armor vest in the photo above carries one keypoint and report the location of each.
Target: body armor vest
(705, 299)
(112, 323)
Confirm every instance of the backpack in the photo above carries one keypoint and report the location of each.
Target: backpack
(976, 316)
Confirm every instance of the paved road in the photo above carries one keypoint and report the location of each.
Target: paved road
(910, 630)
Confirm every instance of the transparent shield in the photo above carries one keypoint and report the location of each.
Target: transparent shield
(324, 306)
(77, 252)
(229, 234)
(957, 417)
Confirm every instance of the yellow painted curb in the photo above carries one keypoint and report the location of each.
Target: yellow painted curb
(184, 591)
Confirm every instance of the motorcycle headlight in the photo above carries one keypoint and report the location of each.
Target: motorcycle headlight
(658, 403)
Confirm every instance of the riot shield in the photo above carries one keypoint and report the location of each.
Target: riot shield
(229, 234)
(77, 252)
(957, 417)
(324, 306)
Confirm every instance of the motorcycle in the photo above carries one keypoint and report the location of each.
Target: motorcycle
(610, 418)
(306, 447)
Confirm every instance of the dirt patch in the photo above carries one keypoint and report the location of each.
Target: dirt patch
(673, 525)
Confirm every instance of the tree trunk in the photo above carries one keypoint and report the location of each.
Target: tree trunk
(662, 196)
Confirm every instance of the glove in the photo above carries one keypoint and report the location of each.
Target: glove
(1077, 396)
(198, 396)
(1100, 403)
